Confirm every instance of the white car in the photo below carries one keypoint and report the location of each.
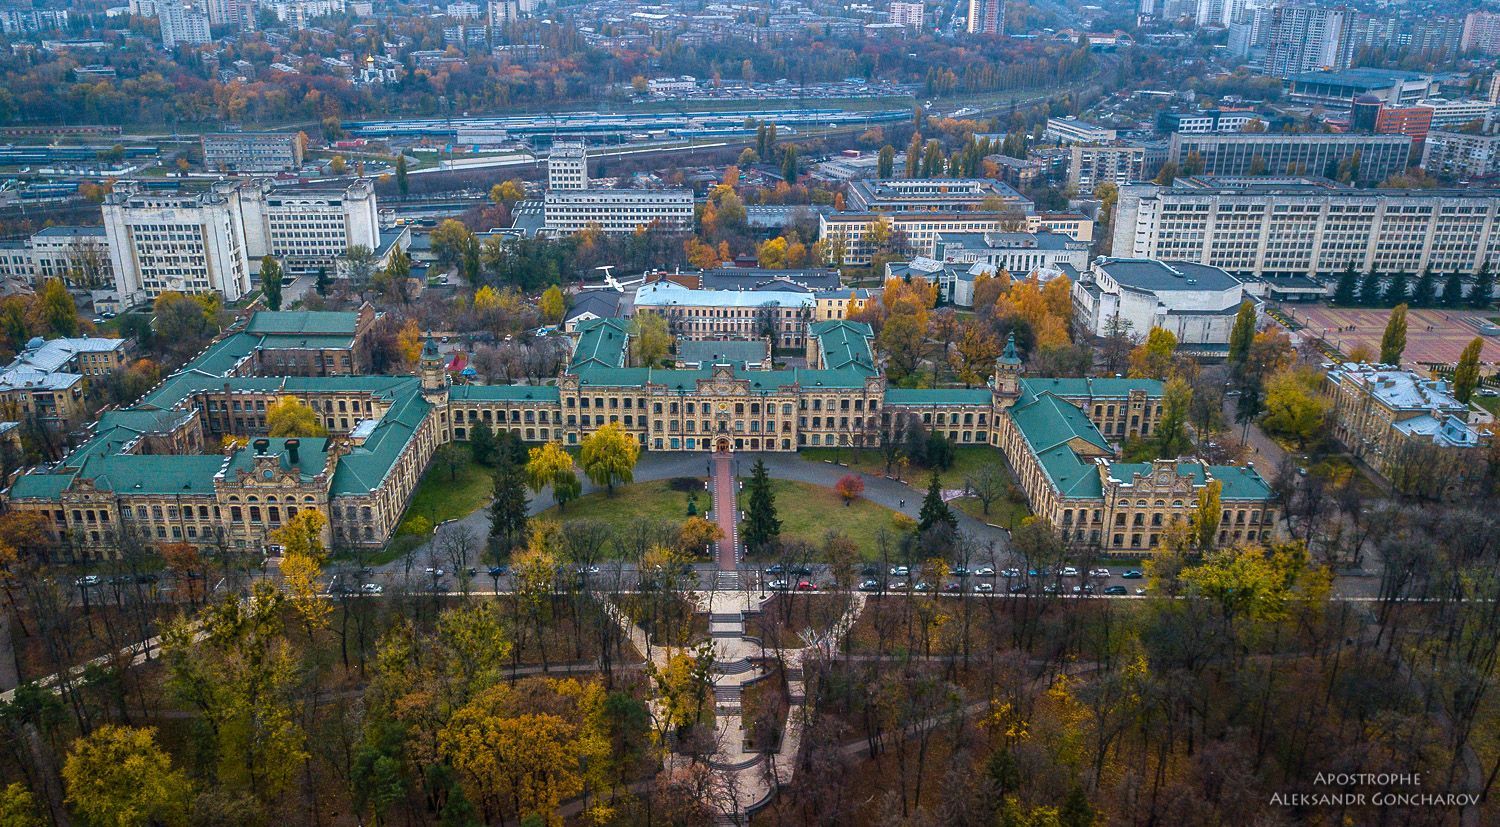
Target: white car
(985, 571)
(372, 588)
(1100, 572)
(984, 588)
(432, 572)
(1010, 572)
(900, 571)
(1069, 571)
(778, 585)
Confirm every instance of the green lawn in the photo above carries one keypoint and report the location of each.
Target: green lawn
(966, 460)
(443, 496)
(655, 500)
(1003, 512)
(1489, 403)
(808, 512)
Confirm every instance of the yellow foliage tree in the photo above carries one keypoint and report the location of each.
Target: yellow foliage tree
(118, 777)
(290, 416)
(553, 305)
(409, 341)
(608, 455)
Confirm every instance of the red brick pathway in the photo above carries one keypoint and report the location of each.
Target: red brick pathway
(725, 513)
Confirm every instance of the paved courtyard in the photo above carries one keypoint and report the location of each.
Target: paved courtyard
(1431, 335)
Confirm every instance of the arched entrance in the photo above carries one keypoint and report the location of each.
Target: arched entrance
(722, 445)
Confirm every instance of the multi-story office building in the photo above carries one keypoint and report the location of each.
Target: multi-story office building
(1306, 38)
(1451, 114)
(1481, 32)
(1307, 227)
(959, 259)
(986, 17)
(932, 195)
(568, 166)
(779, 315)
(211, 241)
(906, 14)
(307, 229)
(181, 24)
(1339, 89)
(916, 233)
(1408, 427)
(1074, 131)
(617, 211)
(1207, 120)
(1461, 155)
(1267, 153)
(183, 242)
(46, 380)
(1097, 164)
(252, 151)
(78, 255)
(1196, 302)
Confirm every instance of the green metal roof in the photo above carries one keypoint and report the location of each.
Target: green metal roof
(844, 344)
(302, 322)
(601, 342)
(918, 397)
(504, 393)
(1049, 424)
(1239, 483)
(1090, 387)
(363, 469)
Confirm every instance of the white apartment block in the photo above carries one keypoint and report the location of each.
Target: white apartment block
(986, 17)
(568, 166)
(300, 12)
(1305, 38)
(188, 243)
(906, 14)
(1091, 166)
(565, 212)
(1074, 131)
(463, 10)
(919, 231)
(1461, 155)
(211, 242)
(1481, 32)
(181, 24)
(1448, 114)
(1307, 227)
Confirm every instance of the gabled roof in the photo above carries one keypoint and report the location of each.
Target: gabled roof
(601, 343)
(302, 322)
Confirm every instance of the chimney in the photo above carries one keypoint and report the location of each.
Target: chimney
(262, 445)
(291, 449)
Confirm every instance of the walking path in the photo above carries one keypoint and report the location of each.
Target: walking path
(725, 514)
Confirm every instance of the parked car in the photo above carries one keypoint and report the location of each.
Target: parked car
(372, 588)
(984, 588)
(896, 586)
(1100, 572)
(869, 585)
(900, 571)
(802, 571)
(953, 587)
(1051, 588)
(776, 568)
(432, 572)
(960, 571)
(806, 586)
(922, 586)
(1011, 572)
(1133, 574)
(498, 571)
(778, 585)
(87, 580)
(985, 571)
(1114, 591)
(1084, 588)
(1068, 571)
(1019, 588)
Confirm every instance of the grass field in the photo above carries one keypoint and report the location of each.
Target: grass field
(966, 460)
(442, 496)
(1003, 512)
(656, 500)
(808, 512)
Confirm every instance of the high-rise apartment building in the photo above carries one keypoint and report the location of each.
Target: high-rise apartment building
(986, 16)
(1303, 38)
(906, 14)
(181, 24)
(1481, 32)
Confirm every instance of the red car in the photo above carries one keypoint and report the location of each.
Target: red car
(806, 586)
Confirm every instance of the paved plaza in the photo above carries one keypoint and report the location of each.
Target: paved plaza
(1431, 335)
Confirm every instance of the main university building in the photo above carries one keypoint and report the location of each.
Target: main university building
(155, 469)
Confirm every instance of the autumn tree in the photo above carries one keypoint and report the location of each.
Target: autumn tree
(608, 456)
(1206, 520)
(1294, 406)
(289, 416)
(1393, 341)
(697, 534)
(850, 487)
(650, 342)
(119, 777)
(1241, 336)
(1154, 358)
(450, 240)
(409, 342)
(551, 464)
(302, 559)
(270, 281)
(1171, 437)
(18, 807)
(56, 310)
(1466, 374)
(553, 305)
(973, 355)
